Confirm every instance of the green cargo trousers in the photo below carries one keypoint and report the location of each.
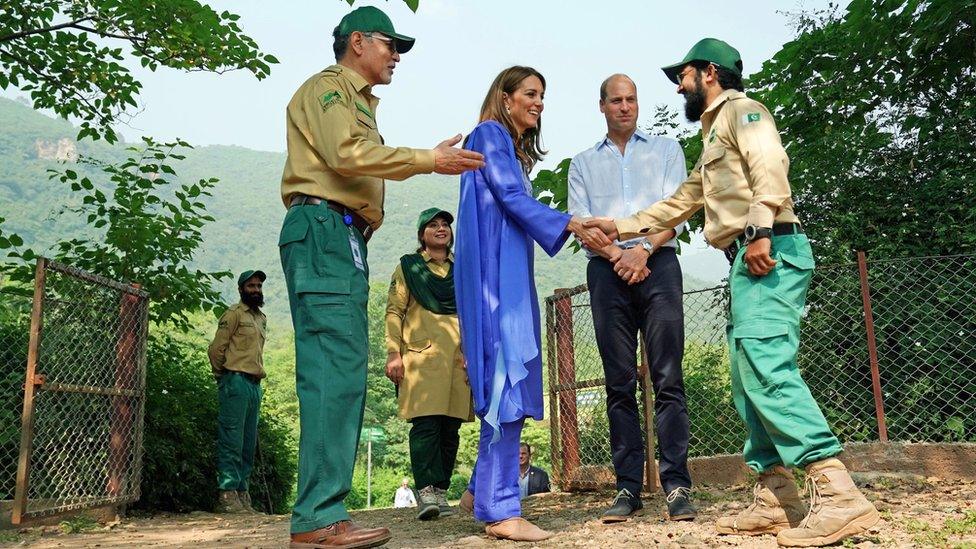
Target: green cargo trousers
(238, 402)
(783, 421)
(327, 293)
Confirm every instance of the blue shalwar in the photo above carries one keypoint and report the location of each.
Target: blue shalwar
(498, 310)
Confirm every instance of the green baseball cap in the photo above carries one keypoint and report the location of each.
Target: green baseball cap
(371, 19)
(246, 275)
(711, 50)
(429, 214)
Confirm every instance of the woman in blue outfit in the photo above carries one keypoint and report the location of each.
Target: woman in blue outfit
(496, 298)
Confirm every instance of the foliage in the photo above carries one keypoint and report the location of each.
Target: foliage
(56, 50)
(14, 324)
(149, 235)
(179, 457)
(876, 108)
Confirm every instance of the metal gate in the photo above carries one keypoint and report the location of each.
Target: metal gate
(84, 394)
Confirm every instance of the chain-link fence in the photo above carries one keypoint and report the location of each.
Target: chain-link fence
(888, 349)
(15, 311)
(79, 427)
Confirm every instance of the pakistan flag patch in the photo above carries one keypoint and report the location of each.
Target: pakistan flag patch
(751, 117)
(330, 98)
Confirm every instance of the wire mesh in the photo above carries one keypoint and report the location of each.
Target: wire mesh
(86, 408)
(15, 310)
(924, 318)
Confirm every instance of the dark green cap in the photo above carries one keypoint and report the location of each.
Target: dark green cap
(246, 275)
(711, 50)
(429, 214)
(371, 19)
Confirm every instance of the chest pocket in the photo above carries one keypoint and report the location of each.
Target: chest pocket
(714, 170)
(246, 334)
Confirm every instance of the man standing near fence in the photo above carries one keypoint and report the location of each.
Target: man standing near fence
(635, 287)
(237, 358)
(741, 180)
(333, 187)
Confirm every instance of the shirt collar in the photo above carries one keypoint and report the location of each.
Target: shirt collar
(428, 258)
(638, 134)
(722, 98)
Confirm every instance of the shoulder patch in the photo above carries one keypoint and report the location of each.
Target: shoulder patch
(751, 117)
(330, 98)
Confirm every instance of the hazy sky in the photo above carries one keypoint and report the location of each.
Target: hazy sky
(461, 45)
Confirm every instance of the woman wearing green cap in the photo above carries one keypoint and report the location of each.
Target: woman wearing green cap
(424, 359)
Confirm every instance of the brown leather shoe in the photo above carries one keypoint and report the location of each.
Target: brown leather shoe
(344, 534)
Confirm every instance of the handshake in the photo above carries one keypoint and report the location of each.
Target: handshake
(597, 234)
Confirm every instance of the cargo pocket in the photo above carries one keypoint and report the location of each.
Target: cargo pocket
(715, 177)
(325, 305)
(293, 231)
(245, 336)
(418, 345)
(765, 345)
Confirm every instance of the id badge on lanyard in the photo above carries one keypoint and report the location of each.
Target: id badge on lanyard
(357, 252)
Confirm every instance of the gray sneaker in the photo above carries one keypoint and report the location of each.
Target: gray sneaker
(445, 507)
(429, 509)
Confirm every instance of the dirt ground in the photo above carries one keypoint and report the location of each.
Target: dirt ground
(917, 511)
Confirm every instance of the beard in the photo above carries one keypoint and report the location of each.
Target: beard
(695, 101)
(253, 300)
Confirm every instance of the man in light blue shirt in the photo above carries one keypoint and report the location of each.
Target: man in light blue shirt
(635, 286)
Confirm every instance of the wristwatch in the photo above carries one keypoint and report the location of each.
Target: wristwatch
(755, 233)
(646, 244)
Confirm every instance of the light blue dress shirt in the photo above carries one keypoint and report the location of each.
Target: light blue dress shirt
(605, 183)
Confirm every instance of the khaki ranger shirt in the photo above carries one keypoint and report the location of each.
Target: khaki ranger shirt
(740, 178)
(239, 343)
(335, 151)
(434, 379)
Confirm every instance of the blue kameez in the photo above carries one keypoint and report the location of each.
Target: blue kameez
(498, 309)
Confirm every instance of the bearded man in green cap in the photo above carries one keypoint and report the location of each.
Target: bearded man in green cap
(741, 181)
(237, 358)
(333, 187)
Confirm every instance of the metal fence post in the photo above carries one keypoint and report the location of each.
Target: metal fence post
(120, 437)
(565, 353)
(647, 392)
(31, 380)
(862, 267)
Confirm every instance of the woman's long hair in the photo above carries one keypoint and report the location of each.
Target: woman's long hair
(528, 146)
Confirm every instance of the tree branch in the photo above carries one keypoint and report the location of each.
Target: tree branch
(22, 34)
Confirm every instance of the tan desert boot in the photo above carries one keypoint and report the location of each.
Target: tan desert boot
(776, 506)
(467, 502)
(516, 529)
(837, 508)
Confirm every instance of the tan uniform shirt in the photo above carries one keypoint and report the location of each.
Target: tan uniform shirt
(740, 178)
(239, 342)
(335, 150)
(434, 379)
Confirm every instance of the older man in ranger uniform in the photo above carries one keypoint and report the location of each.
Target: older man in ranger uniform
(741, 180)
(333, 188)
(236, 356)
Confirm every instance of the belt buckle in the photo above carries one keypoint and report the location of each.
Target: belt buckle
(732, 251)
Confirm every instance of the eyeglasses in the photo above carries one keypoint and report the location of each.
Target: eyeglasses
(388, 41)
(681, 75)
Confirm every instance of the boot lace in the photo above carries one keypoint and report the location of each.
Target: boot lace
(678, 492)
(814, 490)
(624, 494)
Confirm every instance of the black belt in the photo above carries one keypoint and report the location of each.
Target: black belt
(349, 217)
(250, 377)
(779, 229)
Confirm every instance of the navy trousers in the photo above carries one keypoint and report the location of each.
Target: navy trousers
(653, 308)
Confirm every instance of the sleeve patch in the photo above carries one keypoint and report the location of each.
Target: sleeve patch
(330, 98)
(750, 117)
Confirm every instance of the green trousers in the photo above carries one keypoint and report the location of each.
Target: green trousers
(434, 442)
(238, 400)
(327, 293)
(783, 421)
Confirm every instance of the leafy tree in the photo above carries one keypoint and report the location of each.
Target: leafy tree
(876, 108)
(57, 50)
(151, 231)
